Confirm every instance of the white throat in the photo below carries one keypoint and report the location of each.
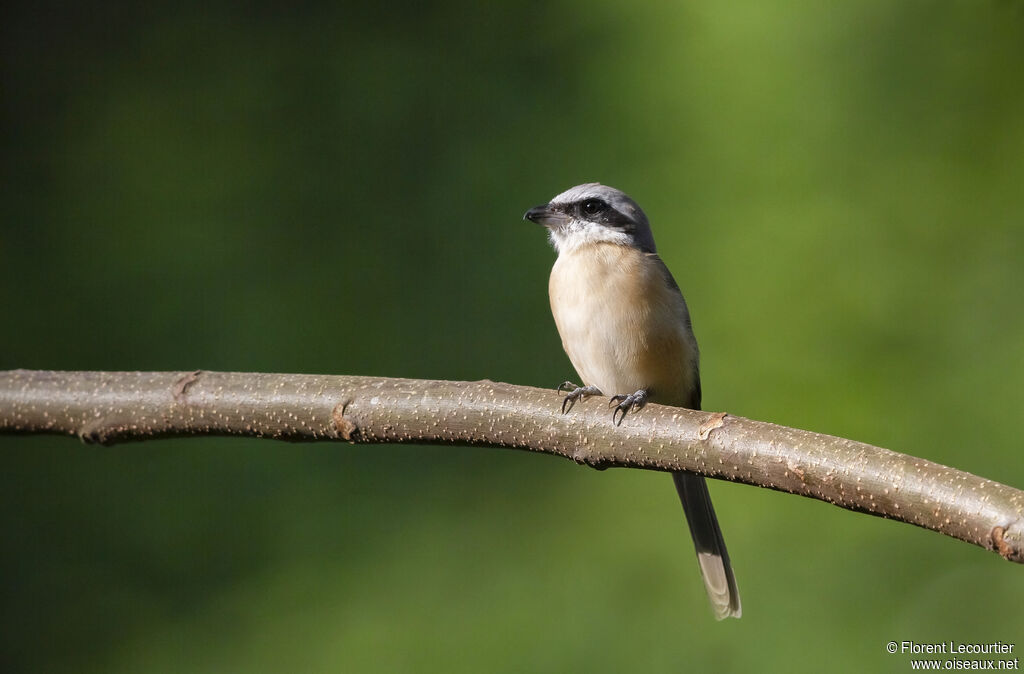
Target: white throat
(575, 234)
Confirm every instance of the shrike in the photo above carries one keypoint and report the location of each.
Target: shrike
(625, 327)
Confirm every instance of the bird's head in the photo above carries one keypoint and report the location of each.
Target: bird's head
(593, 213)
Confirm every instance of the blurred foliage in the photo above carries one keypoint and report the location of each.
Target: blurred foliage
(337, 187)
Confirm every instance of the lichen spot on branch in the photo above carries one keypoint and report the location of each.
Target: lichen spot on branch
(1004, 549)
(716, 420)
(345, 428)
(183, 382)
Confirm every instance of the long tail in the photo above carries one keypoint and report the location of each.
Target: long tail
(707, 538)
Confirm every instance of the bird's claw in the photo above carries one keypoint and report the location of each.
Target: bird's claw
(626, 403)
(575, 393)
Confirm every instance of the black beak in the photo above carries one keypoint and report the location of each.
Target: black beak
(536, 214)
(545, 215)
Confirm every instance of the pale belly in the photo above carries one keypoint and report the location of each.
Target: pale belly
(623, 327)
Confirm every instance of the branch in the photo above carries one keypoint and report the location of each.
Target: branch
(109, 407)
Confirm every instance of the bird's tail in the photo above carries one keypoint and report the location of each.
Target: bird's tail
(707, 538)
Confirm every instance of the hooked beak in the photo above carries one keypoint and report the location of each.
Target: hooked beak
(545, 215)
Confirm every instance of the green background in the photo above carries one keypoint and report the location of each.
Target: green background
(338, 188)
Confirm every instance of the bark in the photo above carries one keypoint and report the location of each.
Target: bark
(111, 407)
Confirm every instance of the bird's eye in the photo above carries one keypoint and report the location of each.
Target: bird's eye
(593, 206)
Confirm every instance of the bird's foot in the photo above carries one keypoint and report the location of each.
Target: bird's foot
(626, 403)
(575, 393)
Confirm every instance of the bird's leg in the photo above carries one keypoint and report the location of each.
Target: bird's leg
(626, 403)
(575, 393)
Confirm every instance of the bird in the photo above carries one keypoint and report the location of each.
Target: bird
(626, 329)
